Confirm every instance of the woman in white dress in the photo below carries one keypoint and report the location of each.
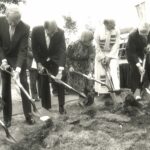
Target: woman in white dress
(107, 47)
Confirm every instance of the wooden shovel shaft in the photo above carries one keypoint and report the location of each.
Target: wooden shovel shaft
(8, 135)
(66, 85)
(23, 90)
(91, 78)
(144, 63)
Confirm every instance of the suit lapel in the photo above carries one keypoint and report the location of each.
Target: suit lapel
(6, 28)
(16, 33)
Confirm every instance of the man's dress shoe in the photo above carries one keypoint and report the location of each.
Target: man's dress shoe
(62, 110)
(7, 124)
(30, 120)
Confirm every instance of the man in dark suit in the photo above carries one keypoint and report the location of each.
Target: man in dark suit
(13, 51)
(48, 45)
(137, 46)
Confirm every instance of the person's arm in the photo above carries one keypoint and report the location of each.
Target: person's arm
(69, 54)
(35, 45)
(30, 54)
(91, 58)
(23, 48)
(2, 55)
(99, 54)
(61, 52)
(131, 50)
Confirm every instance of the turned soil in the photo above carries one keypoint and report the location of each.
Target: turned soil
(98, 127)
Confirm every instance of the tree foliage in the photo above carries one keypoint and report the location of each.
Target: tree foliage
(4, 2)
(11, 1)
(2, 8)
(70, 24)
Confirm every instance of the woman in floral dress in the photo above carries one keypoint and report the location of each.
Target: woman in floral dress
(80, 58)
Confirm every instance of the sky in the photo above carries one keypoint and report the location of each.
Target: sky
(83, 11)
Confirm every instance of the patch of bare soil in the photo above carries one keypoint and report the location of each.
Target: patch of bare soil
(98, 127)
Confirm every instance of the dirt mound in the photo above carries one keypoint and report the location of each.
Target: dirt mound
(34, 139)
(97, 127)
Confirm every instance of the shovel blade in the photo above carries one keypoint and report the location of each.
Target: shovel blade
(11, 139)
(44, 118)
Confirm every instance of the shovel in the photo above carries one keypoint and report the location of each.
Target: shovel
(143, 65)
(93, 79)
(23, 89)
(35, 110)
(113, 93)
(142, 75)
(64, 84)
(9, 137)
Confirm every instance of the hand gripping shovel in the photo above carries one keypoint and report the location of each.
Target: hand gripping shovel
(9, 137)
(64, 84)
(143, 65)
(35, 110)
(142, 75)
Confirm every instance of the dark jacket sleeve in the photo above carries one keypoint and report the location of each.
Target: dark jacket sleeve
(91, 58)
(2, 55)
(35, 45)
(23, 47)
(132, 56)
(61, 50)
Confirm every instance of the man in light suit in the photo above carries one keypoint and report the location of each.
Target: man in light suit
(48, 45)
(13, 52)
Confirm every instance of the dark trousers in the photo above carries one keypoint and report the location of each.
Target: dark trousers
(35, 83)
(45, 87)
(6, 95)
(135, 75)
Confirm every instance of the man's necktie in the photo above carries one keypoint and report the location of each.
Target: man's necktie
(11, 31)
(47, 41)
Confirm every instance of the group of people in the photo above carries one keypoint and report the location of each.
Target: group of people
(48, 48)
(50, 55)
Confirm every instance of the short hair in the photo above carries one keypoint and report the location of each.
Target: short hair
(50, 24)
(14, 10)
(109, 21)
(86, 35)
(144, 28)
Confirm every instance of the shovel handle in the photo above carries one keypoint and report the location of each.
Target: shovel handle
(65, 84)
(8, 135)
(23, 90)
(91, 78)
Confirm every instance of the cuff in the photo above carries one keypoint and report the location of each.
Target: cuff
(18, 69)
(138, 64)
(48, 59)
(4, 60)
(61, 68)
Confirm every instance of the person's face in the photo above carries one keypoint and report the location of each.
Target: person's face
(12, 19)
(51, 31)
(144, 33)
(110, 26)
(87, 42)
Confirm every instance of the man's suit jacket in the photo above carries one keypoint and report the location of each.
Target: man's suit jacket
(135, 47)
(56, 50)
(15, 50)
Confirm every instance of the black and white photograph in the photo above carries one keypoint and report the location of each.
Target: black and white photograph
(74, 75)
